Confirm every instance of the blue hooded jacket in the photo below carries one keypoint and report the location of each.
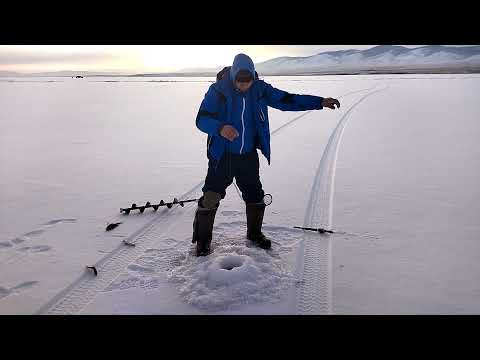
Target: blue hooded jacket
(247, 112)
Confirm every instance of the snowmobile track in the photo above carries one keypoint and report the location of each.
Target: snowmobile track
(314, 295)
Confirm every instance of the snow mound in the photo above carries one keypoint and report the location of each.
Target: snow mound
(235, 274)
(232, 276)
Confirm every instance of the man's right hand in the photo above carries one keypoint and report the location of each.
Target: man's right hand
(330, 103)
(229, 132)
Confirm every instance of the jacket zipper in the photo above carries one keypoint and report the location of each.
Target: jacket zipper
(243, 124)
(209, 141)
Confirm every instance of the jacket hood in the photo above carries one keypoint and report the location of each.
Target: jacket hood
(242, 62)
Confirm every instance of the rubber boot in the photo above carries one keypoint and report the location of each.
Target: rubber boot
(202, 228)
(255, 213)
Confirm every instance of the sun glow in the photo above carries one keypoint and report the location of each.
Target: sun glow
(129, 58)
(144, 58)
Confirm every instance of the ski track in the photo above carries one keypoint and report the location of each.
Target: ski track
(314, 293)
(82, 291)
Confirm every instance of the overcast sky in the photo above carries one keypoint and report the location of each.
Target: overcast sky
(145, 58)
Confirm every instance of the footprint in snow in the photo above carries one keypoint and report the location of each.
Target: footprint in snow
(231, 224)
(140, 269)
(23, 286)
(35, 249)
(38, 232)
(4, 292)
(167, 243)
(34, 233)
(25, 237)
(19, 239)
(16, 289)
(231, 213)
(56, 221)
(5, 244)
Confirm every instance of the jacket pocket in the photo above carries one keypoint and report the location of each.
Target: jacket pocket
(262, 115)
(262, 111)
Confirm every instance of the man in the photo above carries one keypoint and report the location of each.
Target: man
(234, 114)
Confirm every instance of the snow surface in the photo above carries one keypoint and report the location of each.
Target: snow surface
(394, 171)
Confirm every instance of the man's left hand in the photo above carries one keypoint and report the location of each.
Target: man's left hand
(330, 103)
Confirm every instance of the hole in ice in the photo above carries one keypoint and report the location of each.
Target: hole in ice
(230, 262)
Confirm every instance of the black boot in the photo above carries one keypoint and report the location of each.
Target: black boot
(202, 228)
(255, 213)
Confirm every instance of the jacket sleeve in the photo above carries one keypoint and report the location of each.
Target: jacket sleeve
(285, 101)
(207, 118)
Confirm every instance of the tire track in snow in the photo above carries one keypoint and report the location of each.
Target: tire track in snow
(81, 292)
(325, 175)
(308, 112)
(314, 294)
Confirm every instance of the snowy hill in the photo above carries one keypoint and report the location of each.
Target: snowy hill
(378, 59)
(382, 57)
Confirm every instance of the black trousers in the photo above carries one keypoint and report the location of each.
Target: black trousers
(244, 168)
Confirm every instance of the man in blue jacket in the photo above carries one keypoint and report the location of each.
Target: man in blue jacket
(234, 114)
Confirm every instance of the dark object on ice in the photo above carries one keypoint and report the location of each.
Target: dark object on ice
(320, 230)
(255, 212)
(94, 270)
(202, 228)
(78, 77)
(128, 243)
(112, 226)
(155, 207)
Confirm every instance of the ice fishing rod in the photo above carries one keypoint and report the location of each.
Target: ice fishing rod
(156, 206)
(320, 230)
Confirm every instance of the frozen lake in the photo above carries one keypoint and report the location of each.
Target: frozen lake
(402, 191)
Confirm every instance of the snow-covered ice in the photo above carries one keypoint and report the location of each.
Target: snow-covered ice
(394, 171)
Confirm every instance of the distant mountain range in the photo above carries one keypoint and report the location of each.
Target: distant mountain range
(379, 59)
(384, 58)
